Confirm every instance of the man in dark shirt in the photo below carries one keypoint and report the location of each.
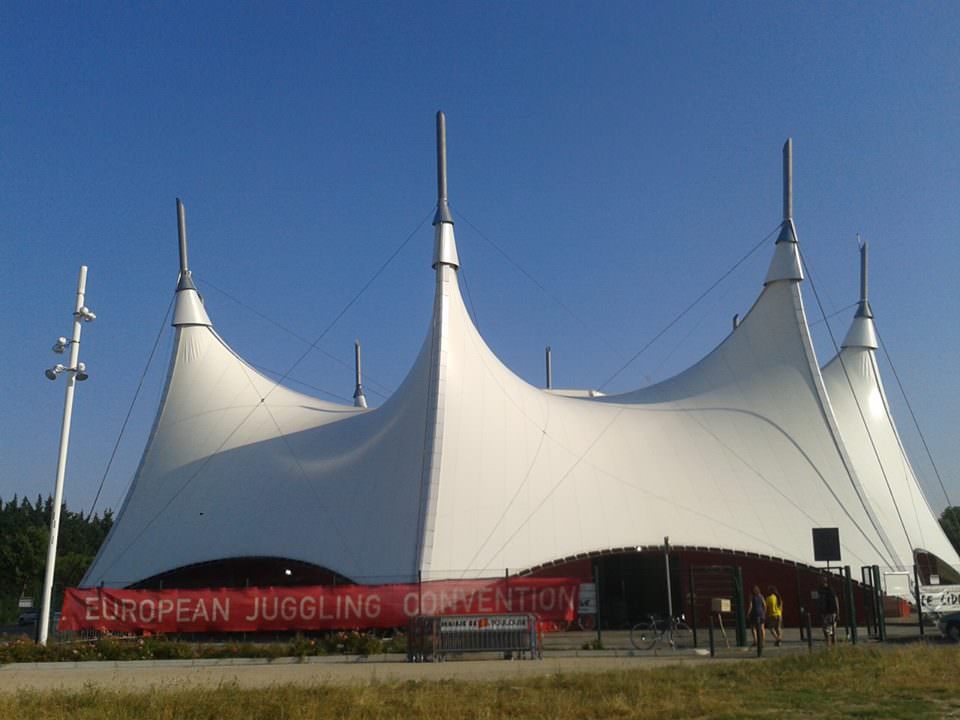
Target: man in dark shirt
(829, 608)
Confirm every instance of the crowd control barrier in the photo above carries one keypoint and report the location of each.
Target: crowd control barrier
(433, 637)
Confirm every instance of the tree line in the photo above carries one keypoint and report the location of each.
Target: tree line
(24, 536)
(950, 522)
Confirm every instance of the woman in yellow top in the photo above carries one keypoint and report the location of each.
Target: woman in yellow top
(774, 609)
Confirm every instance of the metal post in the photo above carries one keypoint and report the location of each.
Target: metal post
(800, 604)
(851, 604)
(359, 399)
(72, 373)
(596, 585)
(693, 608)
(788, 180)
(419, 592)
(809, 633)
(869, 602)
(549, 354)
(666, 563)
(881, 605)
(916, 587)
(740, 610)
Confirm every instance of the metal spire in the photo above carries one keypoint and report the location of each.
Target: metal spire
(188, 309)
(863, 309)
(445, 246)
(185, 282)
(549, 358)
(786, 260)
(862, 333)
(788, 180)
(787, 230)
(443, 208)
(359, 399)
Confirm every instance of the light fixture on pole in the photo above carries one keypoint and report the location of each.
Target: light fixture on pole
(76, 372)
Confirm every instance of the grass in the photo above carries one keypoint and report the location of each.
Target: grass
(913, 682)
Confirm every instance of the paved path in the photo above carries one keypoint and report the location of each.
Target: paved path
(139, 675)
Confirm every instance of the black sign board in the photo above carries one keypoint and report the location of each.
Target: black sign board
(826, 544)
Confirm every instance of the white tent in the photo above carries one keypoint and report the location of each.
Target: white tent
(467, 469)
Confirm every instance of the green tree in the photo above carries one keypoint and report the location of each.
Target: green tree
(24, 533)
(950, 522)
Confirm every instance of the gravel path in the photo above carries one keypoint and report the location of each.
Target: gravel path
(140, 675)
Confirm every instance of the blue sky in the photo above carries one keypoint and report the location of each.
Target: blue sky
(623, 154)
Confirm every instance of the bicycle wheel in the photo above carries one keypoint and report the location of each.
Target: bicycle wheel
(682, 635)
(643, 636)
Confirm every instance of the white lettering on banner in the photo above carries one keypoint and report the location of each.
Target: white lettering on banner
(313, 607)
(200, 611)
(372, 608)
(182, 610)
(940, 598)
(357, 609)
(308, 607)
(288, 608)
(92, 604)
(548, 599)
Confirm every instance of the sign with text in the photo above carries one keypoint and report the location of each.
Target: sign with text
(940, 598)
(340, 607)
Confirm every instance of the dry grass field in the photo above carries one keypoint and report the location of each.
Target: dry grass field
(913, 682)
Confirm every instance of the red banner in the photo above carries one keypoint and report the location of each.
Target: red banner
(318, 607)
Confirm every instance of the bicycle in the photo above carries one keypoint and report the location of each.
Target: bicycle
(655, 631)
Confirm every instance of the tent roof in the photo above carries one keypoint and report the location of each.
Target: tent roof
(467, 469)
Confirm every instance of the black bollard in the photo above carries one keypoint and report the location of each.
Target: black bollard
(809, 634)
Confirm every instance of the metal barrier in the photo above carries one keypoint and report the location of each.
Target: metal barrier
(433, 637)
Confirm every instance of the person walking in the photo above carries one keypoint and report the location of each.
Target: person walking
(774, 613)
(829, 609)
(757, 617)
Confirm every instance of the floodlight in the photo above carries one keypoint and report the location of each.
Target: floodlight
(86, 314)
(288, 572)
(81, 372)
(52, 373)
(60, 345)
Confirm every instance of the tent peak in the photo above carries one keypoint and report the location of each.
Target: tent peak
(445, 246)
(862, 333)
(189, 305)
(786, 259)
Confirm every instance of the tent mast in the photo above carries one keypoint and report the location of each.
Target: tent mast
(445, 247)
(359, 399)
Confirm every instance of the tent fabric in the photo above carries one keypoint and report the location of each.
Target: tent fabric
(468, 470)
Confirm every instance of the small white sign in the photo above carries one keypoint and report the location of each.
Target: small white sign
(897, 583)
(940, 598)
(588, 599)
(25, 603)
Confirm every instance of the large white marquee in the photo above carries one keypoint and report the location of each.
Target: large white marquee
(468, 469)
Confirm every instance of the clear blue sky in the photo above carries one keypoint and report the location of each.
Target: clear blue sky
(624, 154)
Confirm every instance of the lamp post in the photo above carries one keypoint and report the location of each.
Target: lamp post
(76, 371)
